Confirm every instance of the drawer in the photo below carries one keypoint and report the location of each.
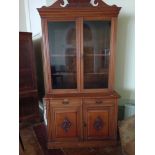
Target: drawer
(66, 102)
(98, 101)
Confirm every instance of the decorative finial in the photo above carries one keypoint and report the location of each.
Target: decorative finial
(65, 3)
(92, 2)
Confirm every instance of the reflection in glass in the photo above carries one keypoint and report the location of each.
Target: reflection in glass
(62, 46)
(96, 53)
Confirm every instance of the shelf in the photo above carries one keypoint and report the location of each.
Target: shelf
(60, 55)
(58, 74)
(96, 73)
(96, 54)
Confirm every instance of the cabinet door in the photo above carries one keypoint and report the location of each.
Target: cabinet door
(96, 54)
(62, 40)
(99, 119)
(65, 120)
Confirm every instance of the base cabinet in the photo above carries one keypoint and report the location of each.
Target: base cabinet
(81, 121)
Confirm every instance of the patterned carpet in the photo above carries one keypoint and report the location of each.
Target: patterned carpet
(34, 140)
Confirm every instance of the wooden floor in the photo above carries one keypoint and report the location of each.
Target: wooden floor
(32, 146)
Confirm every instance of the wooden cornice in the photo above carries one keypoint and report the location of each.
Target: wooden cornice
(77, 8)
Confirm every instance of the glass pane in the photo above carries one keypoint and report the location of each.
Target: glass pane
(96, 54)
(62, 48)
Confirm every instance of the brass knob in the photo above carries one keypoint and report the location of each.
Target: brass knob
(99, 102)
(65, 101)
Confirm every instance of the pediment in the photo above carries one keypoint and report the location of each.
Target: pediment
(78, 3)
(67, 6)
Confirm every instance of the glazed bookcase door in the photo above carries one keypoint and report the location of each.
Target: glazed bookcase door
(62, 41)
(96, 54)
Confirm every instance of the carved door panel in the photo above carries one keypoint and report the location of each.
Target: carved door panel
(66, 121)
(99, 120)
(97, 123)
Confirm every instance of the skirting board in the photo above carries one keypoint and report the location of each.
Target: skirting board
(55, 145)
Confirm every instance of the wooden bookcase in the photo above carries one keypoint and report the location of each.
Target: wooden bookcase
(28, 94)
(79, 41)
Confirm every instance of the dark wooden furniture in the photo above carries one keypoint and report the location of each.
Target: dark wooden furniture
(79, 59)
(28, 96)
(21, 142)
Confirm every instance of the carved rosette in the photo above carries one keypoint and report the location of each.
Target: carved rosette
(98, 124)
(66, 124)
(65, 3)
(92, 2)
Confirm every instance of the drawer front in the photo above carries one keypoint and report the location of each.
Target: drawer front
(65, 102)
(66, 118)
(99, 119)
(98, 101)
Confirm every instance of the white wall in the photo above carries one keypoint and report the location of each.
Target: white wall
(22, 16)
(34, 17)
(50, 2)
(29, 16)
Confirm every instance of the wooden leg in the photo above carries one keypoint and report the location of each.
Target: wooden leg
(21, 142)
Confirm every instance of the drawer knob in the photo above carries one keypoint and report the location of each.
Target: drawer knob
(65, 101)
(98, 102)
